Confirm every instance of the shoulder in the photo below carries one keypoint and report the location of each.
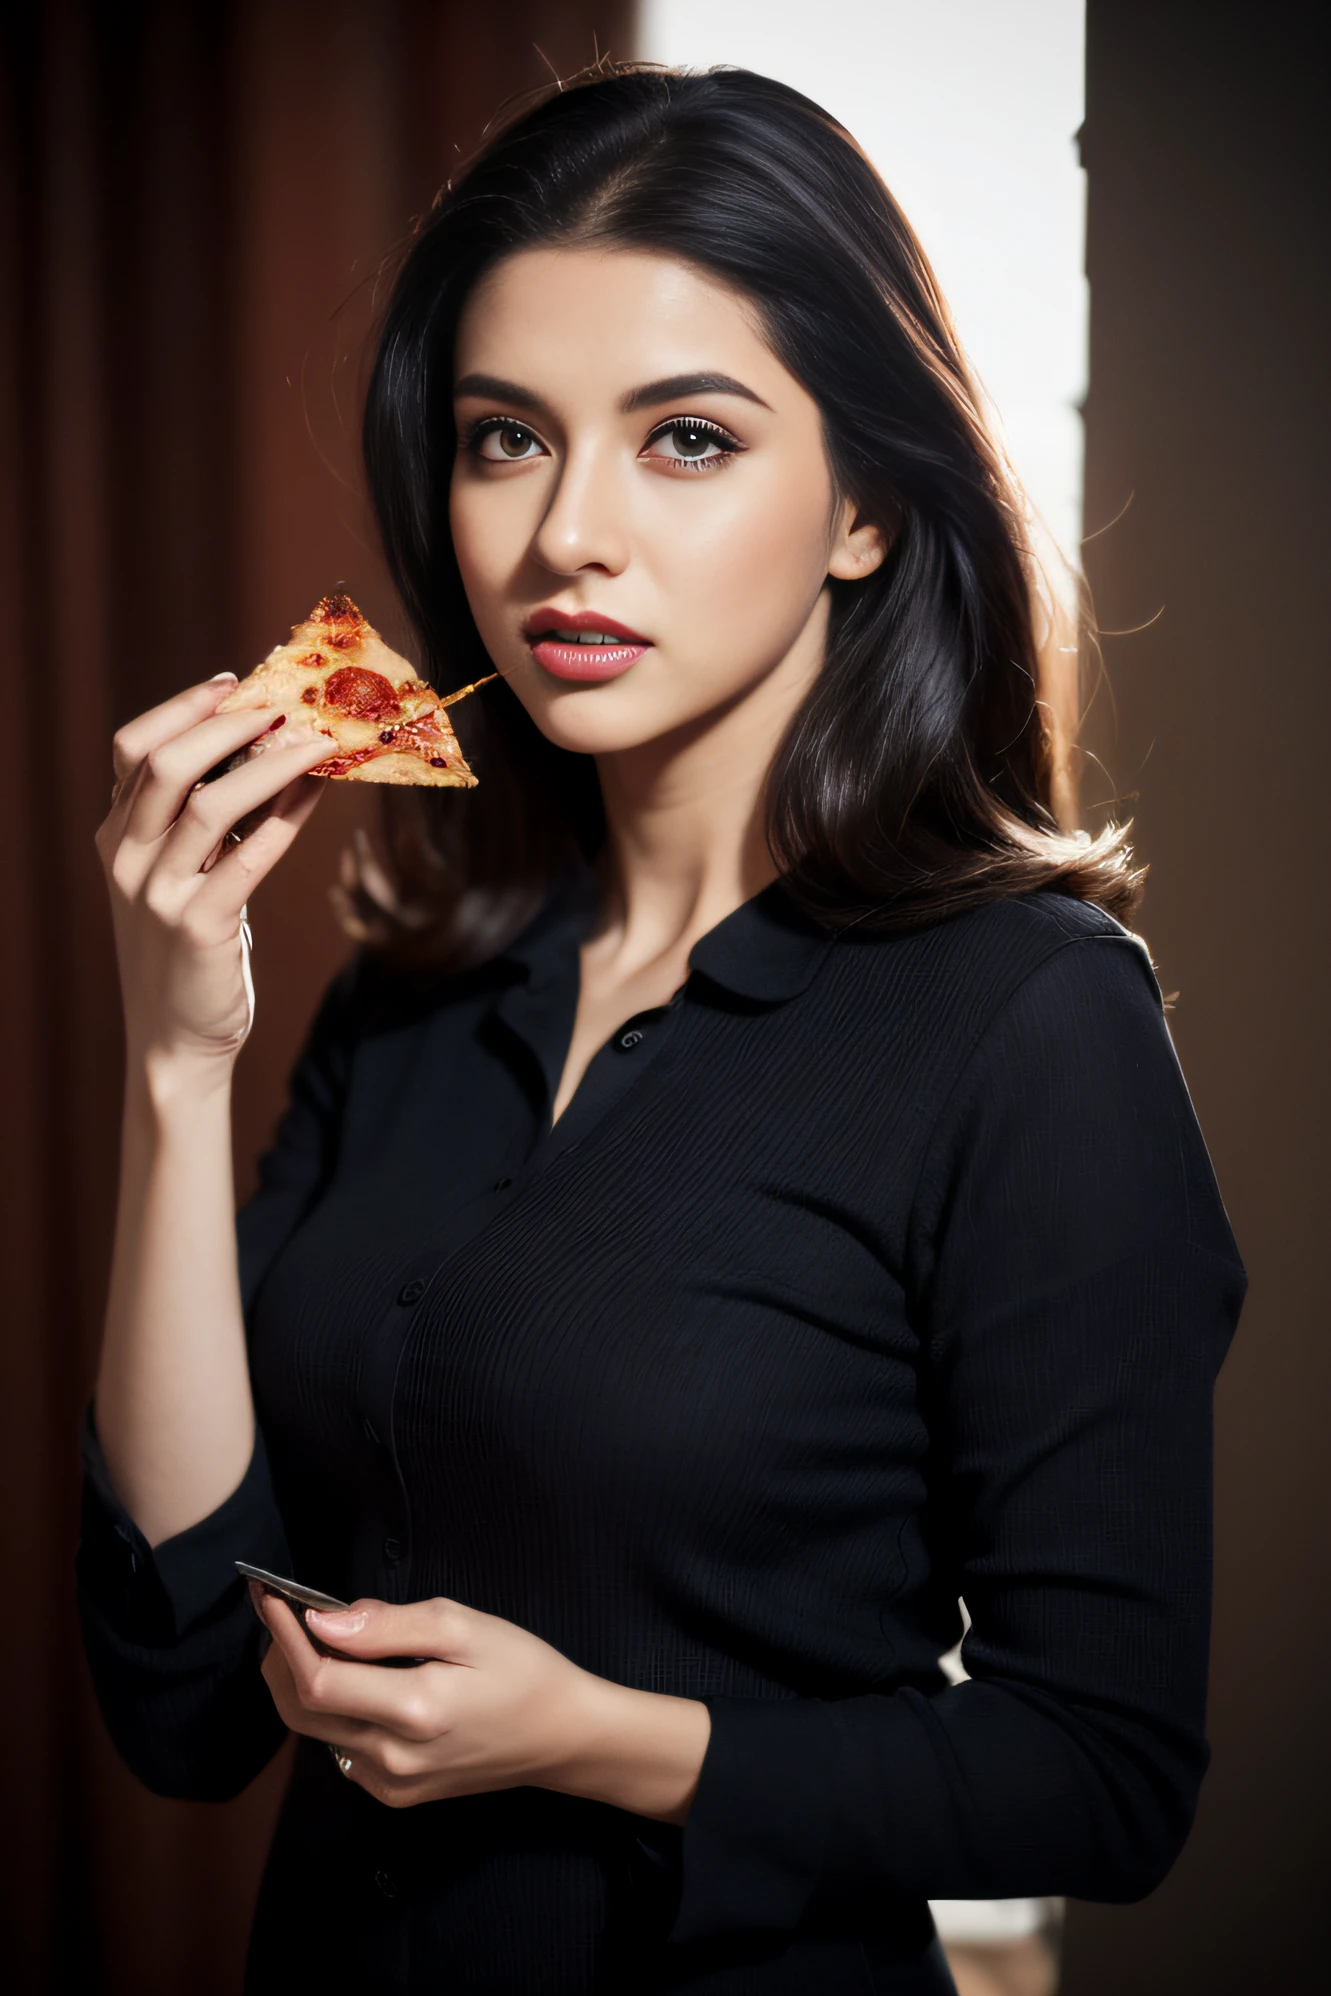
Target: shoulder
(1045, 953)
(1064, 1097)
(954, 980)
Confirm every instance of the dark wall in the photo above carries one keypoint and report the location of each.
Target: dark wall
(1206, 141)
(194, 198)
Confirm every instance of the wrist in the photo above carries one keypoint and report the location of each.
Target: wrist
(161, 1080)
(637, 1750)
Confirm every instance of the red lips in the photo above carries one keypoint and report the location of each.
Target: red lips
(583, 664)
(547, 618)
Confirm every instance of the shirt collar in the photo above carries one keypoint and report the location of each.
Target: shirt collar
(766, 950)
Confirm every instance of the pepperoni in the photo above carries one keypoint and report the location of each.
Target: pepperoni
(362, 694)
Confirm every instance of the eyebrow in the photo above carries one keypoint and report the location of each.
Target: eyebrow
(670, 389)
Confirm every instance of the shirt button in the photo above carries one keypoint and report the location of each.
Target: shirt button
(630, 1038)
(412, 1291)
(386, 1883)
(393, 1550)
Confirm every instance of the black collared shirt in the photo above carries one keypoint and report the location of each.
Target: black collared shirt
(868, 1273)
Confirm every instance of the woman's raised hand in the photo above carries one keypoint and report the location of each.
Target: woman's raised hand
(178, 883)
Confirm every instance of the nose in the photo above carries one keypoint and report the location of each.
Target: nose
(585, 524)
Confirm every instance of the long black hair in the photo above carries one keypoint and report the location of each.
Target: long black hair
(926, 771)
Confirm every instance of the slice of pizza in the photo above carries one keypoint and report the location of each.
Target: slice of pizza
(336, 677)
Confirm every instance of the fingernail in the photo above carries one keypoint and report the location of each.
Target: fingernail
(332, 1622)
(218, 677)
(280, 722)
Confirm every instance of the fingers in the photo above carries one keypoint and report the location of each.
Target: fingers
(442, 1629)
(337, 1729)
(139, 737)
(293, 804)
(216, 904)
(331, 1694)
(209, 810)
(171, 770)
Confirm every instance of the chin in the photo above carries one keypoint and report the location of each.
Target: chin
(608, 719)
(585, 733)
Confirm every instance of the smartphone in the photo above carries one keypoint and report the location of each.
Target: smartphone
(300, 1598)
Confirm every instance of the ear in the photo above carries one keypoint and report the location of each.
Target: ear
(859, 546)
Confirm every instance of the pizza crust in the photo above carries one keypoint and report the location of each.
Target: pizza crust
(338, 679)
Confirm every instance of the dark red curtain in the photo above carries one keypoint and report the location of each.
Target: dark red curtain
(195, 200)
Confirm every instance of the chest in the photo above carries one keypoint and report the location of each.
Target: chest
(680, 1316)
(607, 1001)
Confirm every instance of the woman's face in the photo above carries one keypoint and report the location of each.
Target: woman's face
(633, 460)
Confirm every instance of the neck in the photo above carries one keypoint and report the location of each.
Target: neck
(685, 818)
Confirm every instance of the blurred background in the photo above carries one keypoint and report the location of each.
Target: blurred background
(196, 197)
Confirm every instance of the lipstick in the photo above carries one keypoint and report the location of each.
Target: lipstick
(582, 646)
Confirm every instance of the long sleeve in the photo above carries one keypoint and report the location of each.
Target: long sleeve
(170, 1637)
(1075, 1284)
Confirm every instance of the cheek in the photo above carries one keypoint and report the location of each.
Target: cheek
(725, 578)
(739, 572)
(490, 535)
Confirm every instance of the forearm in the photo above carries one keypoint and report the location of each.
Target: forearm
(637, 1750)
(173, 1407)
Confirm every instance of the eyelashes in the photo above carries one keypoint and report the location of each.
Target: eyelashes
(699, 426)
(485, 426)
(727, 445)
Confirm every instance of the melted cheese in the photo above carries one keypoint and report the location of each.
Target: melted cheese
(337, 678)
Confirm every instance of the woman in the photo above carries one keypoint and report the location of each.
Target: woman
(741, 1198)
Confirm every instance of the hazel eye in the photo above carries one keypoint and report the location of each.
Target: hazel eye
(695, 443)
(513, 441)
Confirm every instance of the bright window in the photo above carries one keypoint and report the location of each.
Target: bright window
(968, 109)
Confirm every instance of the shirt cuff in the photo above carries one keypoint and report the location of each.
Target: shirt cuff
(156, 1593)
(754, 1839)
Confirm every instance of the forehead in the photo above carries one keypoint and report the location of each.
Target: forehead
(606, 318)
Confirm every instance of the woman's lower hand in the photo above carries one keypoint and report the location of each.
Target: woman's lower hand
(495, 1707)
(178, 884)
